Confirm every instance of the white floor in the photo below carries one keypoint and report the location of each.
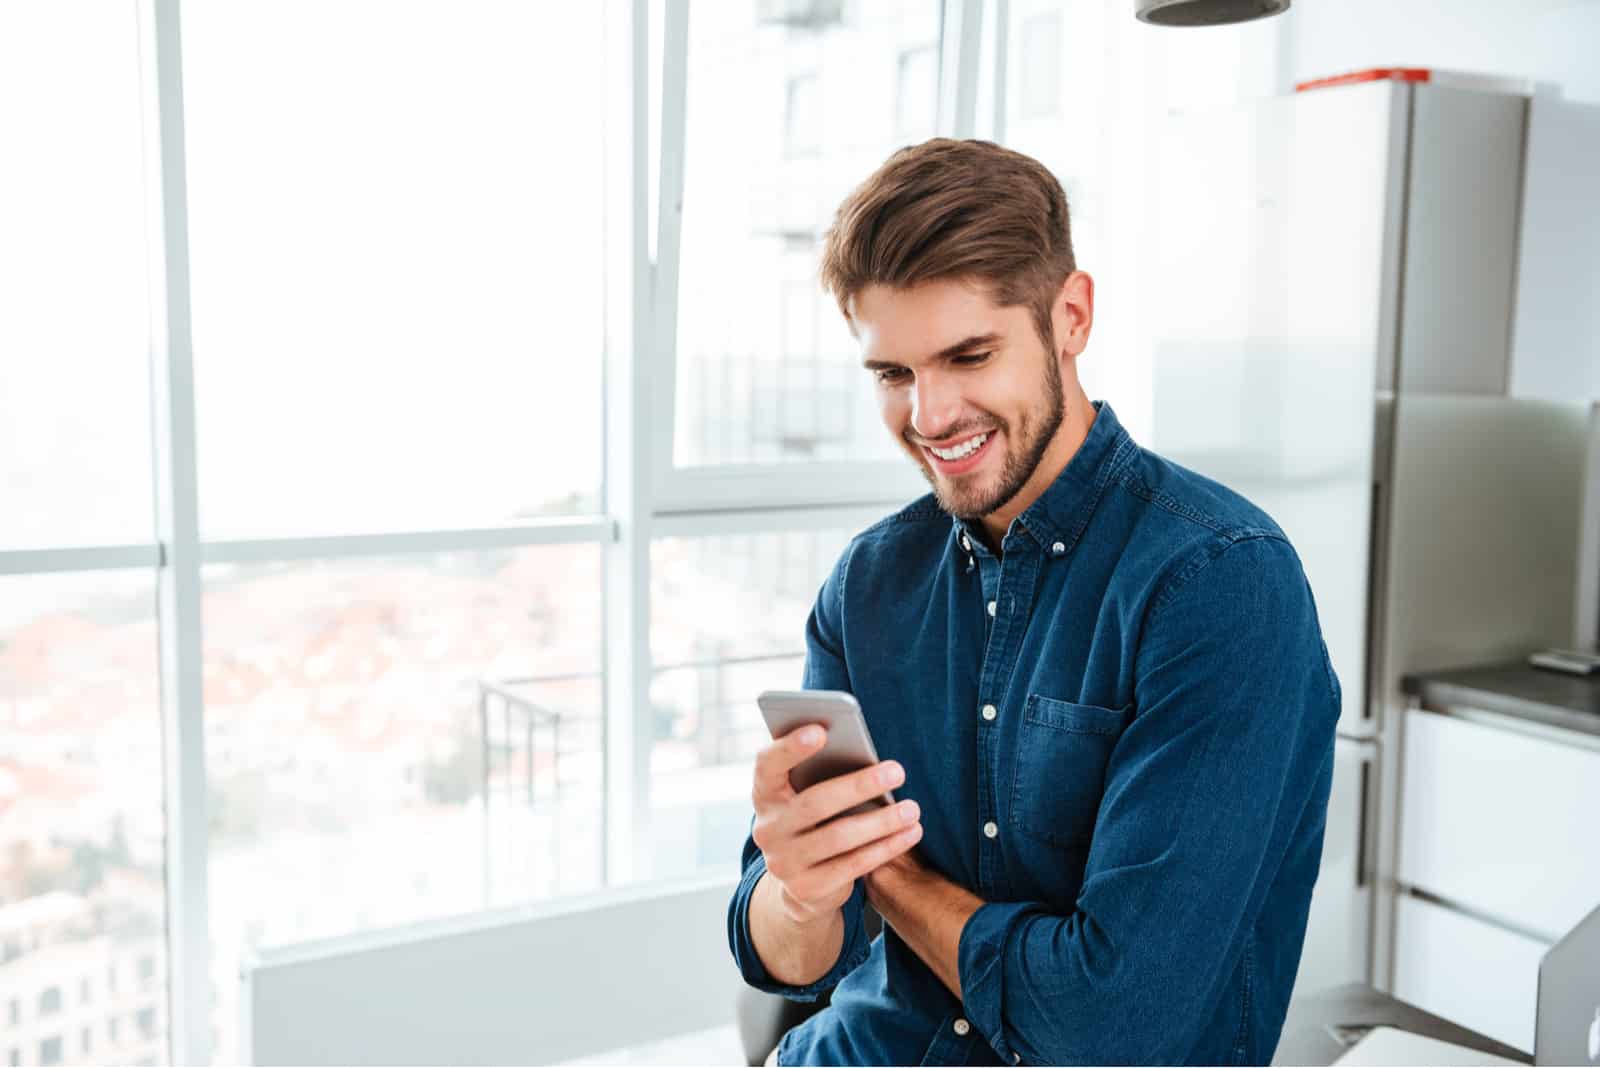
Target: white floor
(718, 1045)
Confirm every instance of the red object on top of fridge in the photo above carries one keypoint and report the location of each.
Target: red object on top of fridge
(1453, 79)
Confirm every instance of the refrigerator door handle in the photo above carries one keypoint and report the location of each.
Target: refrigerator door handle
(1361, 825)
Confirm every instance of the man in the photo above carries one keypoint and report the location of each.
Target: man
(1098, 679)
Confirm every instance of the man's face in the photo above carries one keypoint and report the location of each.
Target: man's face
(965, 386)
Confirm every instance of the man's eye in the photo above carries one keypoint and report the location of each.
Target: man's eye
(890, 374)
(971, 359)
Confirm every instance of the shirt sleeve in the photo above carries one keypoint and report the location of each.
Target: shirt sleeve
(824, 670)
(1230, 750)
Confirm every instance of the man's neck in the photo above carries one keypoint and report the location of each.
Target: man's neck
(1076, 419)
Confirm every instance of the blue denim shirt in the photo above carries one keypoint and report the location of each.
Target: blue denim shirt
(1142, 810)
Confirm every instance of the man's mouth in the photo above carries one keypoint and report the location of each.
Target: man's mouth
(965, 448)
(960, 457)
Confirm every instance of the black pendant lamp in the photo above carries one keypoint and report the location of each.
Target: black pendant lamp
(1205, 12)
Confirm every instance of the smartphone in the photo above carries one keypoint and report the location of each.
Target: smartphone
(849, 745)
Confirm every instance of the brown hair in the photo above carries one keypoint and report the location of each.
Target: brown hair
(954, 209)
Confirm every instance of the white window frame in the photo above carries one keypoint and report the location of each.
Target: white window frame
(644, 496)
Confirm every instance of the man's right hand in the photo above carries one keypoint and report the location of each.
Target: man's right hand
(815, 866)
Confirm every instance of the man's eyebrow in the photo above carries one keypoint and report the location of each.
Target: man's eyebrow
(960, 347)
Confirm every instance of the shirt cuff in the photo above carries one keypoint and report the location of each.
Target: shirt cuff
(981, 966)
(851, 953)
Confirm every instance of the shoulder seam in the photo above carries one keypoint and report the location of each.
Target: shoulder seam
(1139, 488)
(1204, 557)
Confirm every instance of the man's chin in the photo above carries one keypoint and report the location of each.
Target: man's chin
(963, 503)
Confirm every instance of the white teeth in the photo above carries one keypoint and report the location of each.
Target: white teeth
(966, 448)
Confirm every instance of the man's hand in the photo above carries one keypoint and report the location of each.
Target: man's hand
(815, 863)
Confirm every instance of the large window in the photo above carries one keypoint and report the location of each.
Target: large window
(315, 569)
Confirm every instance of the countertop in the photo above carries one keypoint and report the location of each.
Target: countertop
(1514, 689)
(1321, 1027)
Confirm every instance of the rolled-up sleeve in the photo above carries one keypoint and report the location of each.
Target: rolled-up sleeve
(1228, 759)
(824, 670)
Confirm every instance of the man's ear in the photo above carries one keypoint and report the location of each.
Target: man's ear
(1073, 313)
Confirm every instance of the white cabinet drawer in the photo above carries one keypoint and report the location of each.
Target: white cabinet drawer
(1466, 970)
(1499, 822)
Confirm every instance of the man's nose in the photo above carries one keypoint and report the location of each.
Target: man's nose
(935, 405)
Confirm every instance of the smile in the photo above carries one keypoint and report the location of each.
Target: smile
(961, 457)
(966, 448)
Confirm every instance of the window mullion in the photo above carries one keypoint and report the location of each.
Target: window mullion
(177, 530)
(960, 38)
(628, 446)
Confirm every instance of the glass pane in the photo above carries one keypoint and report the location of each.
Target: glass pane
(728, 618)
(345, 723)
(74, 333)
(82, 841)
(767, 370)
(397, 261)
(1058, 107)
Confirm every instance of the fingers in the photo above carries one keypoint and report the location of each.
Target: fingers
(843, 835)
(827, 878)
(774, 760)
(826, 799)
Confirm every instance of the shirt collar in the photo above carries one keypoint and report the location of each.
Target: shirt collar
(1056, 520)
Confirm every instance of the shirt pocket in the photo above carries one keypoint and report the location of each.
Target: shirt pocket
(1062, 751)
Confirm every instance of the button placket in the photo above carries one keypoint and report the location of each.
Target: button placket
(992, 678)
(1010, 583)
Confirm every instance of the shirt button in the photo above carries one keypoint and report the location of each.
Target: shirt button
(990, 829)
(1057, 549)
(991, 609)
(965, 544)
(962, 1027)
(989, 712)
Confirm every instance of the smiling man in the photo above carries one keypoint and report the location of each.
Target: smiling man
(1098, 679)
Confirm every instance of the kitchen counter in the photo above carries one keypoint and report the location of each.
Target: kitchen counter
(1514, 689)
(1319, 1028)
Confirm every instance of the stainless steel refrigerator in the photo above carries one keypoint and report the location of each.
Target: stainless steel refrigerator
(1331, 292)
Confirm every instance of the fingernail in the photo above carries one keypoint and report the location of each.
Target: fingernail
(909, 811)
(891, 774)
(811, 736)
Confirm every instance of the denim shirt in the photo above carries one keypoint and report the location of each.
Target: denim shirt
(1120, 732)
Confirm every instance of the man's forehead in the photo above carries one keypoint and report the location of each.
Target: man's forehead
(919, 322)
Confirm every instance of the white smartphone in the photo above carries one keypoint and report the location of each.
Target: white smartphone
(849, 745)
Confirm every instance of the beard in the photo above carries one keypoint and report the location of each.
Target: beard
(1035, 429)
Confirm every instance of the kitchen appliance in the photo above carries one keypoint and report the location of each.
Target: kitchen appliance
(1331, 298)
